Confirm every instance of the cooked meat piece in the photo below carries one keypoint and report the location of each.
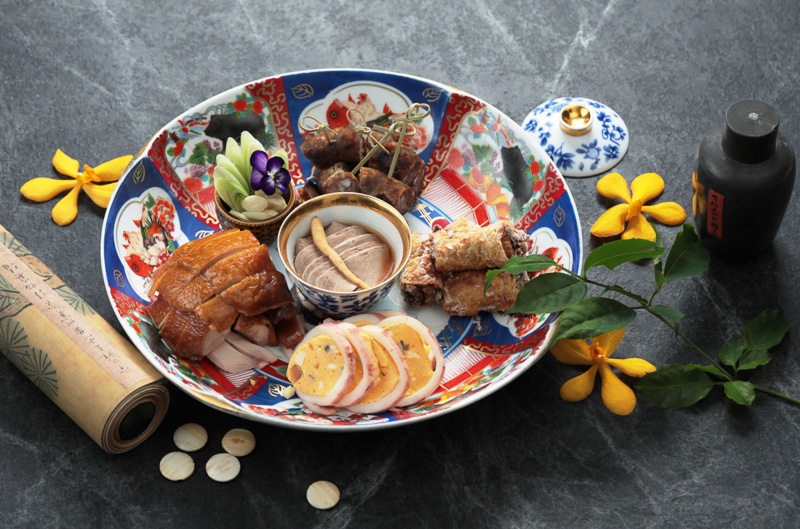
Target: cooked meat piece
(258, 329)
(222, 274)
(410, 168)
(250, 296)
(184, 266)
(371, 262)
(308, 191)
(291, 331)
(310, 255)
(464, 296)
(245, 346)
(391, 190)
(337, 237)
(189, 336)
(230, 359)
(463, 245)
(159, 311)
(346, 146)
(334, 227)
(420, 283)
(337, 178)
(281, 313)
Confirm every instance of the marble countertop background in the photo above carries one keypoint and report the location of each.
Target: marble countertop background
(97, 79)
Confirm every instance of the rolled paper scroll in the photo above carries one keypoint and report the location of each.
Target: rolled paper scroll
(74, 356)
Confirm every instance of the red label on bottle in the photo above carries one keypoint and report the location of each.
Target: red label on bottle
(714, 219)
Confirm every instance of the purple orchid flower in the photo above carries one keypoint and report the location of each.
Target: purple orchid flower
(269, 173)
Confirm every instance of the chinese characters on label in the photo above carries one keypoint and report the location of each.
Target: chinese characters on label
(714, 220)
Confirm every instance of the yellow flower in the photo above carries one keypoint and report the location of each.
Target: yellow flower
(616, 395)
(645, 187)
(65, 211)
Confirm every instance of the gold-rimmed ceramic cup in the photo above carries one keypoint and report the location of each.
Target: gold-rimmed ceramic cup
(375, 216)
(266, 231)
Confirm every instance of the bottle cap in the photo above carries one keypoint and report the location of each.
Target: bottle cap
(751, 131)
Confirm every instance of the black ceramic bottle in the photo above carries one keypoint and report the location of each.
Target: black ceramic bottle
(743, 180)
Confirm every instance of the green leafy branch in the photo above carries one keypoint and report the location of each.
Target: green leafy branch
(672, 386)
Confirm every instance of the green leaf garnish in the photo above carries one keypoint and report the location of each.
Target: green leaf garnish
(592, 317)
(766, 330)
(675, 386)
(687, 257)
(671, 314)
(752, 359)
(708, 369)
(517, 265)
(548, 293)
(740, 392)
(731, 352)
(621, 251)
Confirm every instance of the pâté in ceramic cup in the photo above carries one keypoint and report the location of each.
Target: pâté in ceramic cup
(370, 236)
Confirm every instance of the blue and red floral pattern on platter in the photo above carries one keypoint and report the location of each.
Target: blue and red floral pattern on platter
(480, 165)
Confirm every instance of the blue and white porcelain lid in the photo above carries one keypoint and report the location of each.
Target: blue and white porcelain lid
(581, 136)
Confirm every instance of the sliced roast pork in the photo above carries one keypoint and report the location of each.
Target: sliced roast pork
(190, 263)
(232, 360)
(258, 329)
(208, 283)
(226, 272)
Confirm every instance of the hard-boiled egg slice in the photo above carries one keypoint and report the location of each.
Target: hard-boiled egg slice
(322, 366)
(366, 366)
(422, 353)
(392, 380)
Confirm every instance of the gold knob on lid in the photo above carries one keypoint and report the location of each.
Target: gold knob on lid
(576, 120)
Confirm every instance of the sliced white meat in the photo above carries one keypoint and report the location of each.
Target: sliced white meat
(258, 329)
(245, 346)
(228, 358)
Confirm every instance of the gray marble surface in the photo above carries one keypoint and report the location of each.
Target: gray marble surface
(97, 79)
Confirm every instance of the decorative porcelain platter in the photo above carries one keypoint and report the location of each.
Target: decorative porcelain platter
(480, 165)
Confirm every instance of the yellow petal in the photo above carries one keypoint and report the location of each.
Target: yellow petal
(100, 195)
(669, 213)
(574, 352)
(617, 396)
(647, 186)
(613, 185)
(65, 165)
(66, 209)
(635, 367)
(610, 340)
(113, 169)
(580, 387)
(43, 189)
(639, 228)
(612, 222)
